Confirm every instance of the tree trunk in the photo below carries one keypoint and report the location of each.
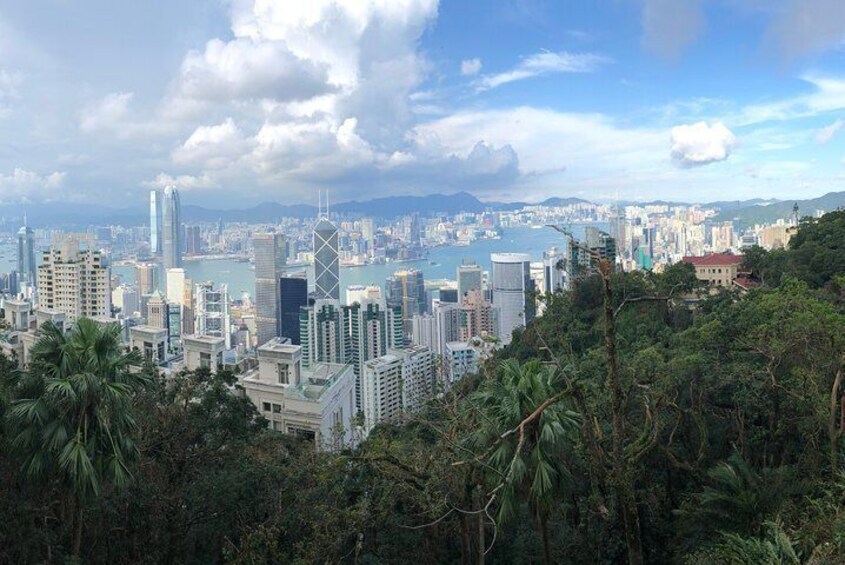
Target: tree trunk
(482, 545)
(833, 429)
(77, 529)
(544, 533)
(466, 556)
(623, 483)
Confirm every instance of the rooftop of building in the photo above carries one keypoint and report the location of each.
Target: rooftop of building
(208, 339)
(714, 260)
(315, 381)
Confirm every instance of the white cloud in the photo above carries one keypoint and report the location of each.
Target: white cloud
(25, 186)
(247, 68)
(827, 95)
(699, 144)
(826, 133)
(212, 146)
(470, 67)
(543, 63)
(107, 113)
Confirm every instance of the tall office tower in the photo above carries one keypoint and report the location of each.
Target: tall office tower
(146, 278)
(193, 240)
(406, 289)
(293, 295)
(512, 291)
(479, 318)
(155, 222)
(171, 229)
(447, 325)
(368, 234)
(324, 333)
(180, 292)
(211, 313)
(74, 281)
(554, 271)
(157, 311)
(469, 279)
(126, 298)
(26, 255)
(270, 259)
(373, 329)
(424, 331)
(326, 263)
(413, 229)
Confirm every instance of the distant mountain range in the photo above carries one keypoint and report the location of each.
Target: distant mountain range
(81, 215)
(751, 214)
(75, 216)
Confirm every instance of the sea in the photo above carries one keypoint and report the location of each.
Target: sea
(441, 263)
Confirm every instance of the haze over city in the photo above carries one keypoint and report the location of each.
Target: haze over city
(248, 101)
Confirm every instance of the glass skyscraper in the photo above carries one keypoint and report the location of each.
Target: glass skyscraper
(171, 229)
(293, 295)
(326, 263)
(512, 291)
(155, 222)
(26, 255)
(270, 259)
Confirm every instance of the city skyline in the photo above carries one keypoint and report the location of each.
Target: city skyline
(640, 100)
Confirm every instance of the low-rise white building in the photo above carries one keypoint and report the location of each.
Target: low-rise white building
(460, 360)
(151, 342)
(202, 351)
(317, 403)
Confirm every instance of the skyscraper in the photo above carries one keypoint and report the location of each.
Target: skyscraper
(212, 312)
(293, 295)
(326, 264)
(324, 333)
(171, 229)
(74, 281)
(512, 288)
(26, 255)
(406, 289)
(155, 222)
(270, 259)
(373, 329)
(469, 279)
(146, 278)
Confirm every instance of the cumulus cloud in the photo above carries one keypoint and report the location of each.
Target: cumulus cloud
(826, 133)
(671, 26)
(470, 67)
(700, 144)
(543, 63)
(246, 68)
(212, 146)
(25, 186)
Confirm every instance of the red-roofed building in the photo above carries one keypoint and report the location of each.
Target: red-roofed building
(718, 269)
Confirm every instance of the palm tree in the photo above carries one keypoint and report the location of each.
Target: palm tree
(536, 473)
(73, 419)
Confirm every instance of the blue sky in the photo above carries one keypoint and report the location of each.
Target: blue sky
(246, 101)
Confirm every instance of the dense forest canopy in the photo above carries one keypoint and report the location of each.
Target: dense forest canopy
(624, 425)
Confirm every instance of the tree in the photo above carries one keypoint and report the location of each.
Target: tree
(78, 427)
(530, 464)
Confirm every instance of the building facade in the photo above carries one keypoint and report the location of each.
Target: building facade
(326, 262)
(171, 229)
(270, 260)
(76, 282)
(512, 291)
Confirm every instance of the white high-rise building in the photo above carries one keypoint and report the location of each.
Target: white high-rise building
(324, 333)
(460, 360)
(512, 287)
(26, 256)
(211, 314)
(175, 285)
(74, 281)
(397, 382)
(373, 329)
